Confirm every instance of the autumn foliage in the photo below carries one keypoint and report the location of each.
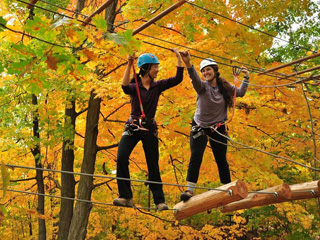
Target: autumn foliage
(61, 62)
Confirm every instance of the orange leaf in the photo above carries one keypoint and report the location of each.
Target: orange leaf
(52, 62)
(89, 54)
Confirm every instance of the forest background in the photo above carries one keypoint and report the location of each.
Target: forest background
(62, 108)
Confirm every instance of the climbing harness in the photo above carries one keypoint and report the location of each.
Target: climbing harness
(135, 125)
(199, 131)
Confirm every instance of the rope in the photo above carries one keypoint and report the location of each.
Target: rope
(138, 90)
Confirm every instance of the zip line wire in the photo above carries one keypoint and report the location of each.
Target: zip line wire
(207, 10)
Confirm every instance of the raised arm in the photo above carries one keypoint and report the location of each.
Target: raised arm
(244, 85)
(126, 75)
(195, 78)
(186, 58)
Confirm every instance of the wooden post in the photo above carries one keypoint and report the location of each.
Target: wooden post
(264, 197)
(99, 10)
(234, 191)
(159, 16)
(301, 72)
(290, 63)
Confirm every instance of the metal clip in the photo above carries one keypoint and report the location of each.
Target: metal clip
(236, 70)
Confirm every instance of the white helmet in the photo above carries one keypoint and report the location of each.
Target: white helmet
(207, 62)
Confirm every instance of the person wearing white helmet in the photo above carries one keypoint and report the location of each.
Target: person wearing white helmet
(144, 128)
(214, 97)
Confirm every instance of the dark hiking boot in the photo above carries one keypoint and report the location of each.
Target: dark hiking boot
(186, 195)
(162, 206)
(123, 202)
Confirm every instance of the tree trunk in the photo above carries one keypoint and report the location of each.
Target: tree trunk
(80, 5)
(67, 180)
(39, 174)
(82, 209)
(110, 15)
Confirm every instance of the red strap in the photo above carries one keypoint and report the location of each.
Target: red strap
(138, 91)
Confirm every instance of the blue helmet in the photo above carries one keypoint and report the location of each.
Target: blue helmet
(147, 58)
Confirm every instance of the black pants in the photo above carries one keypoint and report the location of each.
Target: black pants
(150, 146)
(219, 150)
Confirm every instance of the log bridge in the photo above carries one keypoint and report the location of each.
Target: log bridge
(235, 196)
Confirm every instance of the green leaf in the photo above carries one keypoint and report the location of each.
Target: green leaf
(3, 23)
(127, 35)
(34, 88)
(5, 176)
(100, 23)
(33, 25)
(118, 39)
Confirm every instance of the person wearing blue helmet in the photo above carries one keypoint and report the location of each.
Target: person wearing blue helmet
(141, 125)
(214, 96)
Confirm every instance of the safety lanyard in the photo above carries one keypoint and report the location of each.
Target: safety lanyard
(236, 72)
(138, 91)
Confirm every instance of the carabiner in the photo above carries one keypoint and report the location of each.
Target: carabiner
(236, 70)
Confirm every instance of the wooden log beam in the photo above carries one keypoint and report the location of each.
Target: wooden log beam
(231, 192)
(264, 197)
(290, 63)
(305, 190)
(301, 72)
(159, 16)
(31, 3)
(99, 10)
